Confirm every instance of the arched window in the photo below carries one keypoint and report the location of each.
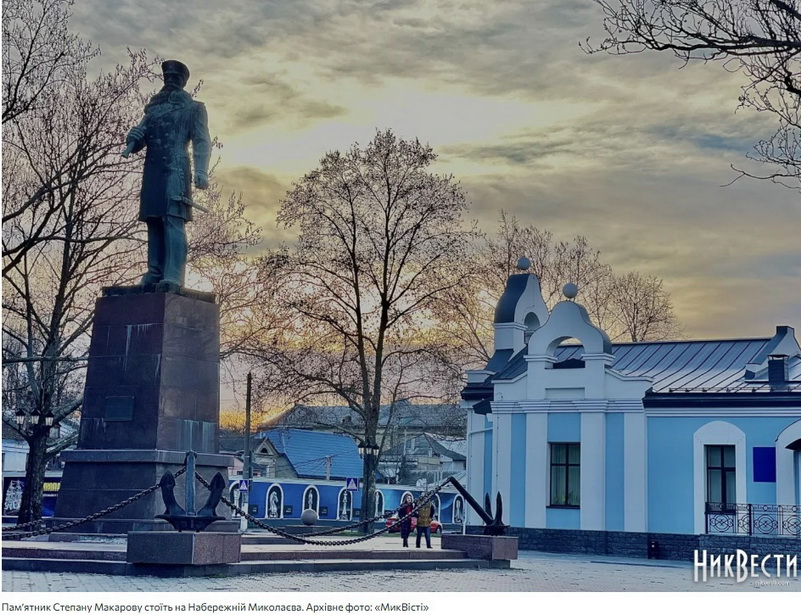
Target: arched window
(532, 323)
(569, 354)
(311, 499)
(275, 502)
(379, 503)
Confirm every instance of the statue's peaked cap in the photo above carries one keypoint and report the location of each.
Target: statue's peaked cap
(174, 66)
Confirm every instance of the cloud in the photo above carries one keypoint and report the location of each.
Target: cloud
(261, 192)
(631, 152)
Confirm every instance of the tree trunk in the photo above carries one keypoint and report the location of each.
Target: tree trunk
(368, 491)
(368, 477)
(32, 493)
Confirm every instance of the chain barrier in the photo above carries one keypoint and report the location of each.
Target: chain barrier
(92, 517)
(329, 543)
(13, 533)
(22, 526)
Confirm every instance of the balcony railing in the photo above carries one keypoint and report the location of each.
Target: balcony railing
(753, 519)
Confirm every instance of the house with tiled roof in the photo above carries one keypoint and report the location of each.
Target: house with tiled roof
(642, 440)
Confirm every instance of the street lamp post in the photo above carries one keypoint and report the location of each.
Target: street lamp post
(369, 453)
(247, 469)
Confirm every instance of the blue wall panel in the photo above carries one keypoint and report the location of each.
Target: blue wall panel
(614, 472)
(518, 479)
(670, 466)
(564, 427)
(563, 518)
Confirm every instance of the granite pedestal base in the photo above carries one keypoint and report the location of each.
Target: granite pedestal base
(493, 548)
(152, 393)
(184, 548)
(96, 480)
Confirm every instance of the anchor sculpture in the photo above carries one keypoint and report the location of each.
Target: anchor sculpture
(493, 526)
(188, 519)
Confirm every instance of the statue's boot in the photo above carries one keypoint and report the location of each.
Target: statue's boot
(175, 250)
(155, 251)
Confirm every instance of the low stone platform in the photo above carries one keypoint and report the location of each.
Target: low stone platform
(381, 553)
(496, 549)
(184, 548)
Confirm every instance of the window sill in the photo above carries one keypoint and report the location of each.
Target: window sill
(568, 506)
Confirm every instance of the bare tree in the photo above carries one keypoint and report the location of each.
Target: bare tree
(641, 308)
(377, 236)
(39, 53)
(759, 38)
(464, 316)
(219, 260)
(59, 261)
(70, 223)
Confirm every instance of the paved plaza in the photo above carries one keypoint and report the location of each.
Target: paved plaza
(532, 572)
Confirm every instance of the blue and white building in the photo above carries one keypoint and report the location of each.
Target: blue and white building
(674, 437)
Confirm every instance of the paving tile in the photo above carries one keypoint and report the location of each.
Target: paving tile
(531, 572)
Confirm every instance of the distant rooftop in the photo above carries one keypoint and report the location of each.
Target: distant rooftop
(308, 452)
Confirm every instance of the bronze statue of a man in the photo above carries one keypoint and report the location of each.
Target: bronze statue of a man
(172, 120)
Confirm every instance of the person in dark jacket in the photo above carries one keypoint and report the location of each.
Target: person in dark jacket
(424, 515)
(406, 526)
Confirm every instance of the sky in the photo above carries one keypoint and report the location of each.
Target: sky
(632, 152)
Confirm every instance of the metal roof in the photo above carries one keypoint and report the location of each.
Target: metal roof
(697, 365)
(307, 451)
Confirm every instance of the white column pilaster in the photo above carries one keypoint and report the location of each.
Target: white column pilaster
(536, 498)
(593, 471)
(635, 460)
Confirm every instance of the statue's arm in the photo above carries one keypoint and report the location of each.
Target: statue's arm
(135, 139)
(201, 145)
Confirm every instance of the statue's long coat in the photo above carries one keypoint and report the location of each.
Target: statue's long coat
(172, 121)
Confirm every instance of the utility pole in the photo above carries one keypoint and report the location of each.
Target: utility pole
(247, 469)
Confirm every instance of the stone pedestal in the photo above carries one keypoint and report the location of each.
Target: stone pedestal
(184, 548)
(152, 393)
(493, 548)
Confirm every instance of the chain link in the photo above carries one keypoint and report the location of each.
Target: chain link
(92, 517)
(22, 526)
(328, 543)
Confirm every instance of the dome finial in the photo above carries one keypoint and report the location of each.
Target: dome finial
(523, 263)
(570, 290)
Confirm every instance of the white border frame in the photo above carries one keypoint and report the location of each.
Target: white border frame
(350, 511)
(716, 433)
(267, 502)
(303, 500)
(787, 470)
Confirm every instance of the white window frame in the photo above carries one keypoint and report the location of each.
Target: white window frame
(716, 433)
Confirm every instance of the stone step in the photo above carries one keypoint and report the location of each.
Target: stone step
(338, 554)
(279, 566)
(251, 553)
(116, 555)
